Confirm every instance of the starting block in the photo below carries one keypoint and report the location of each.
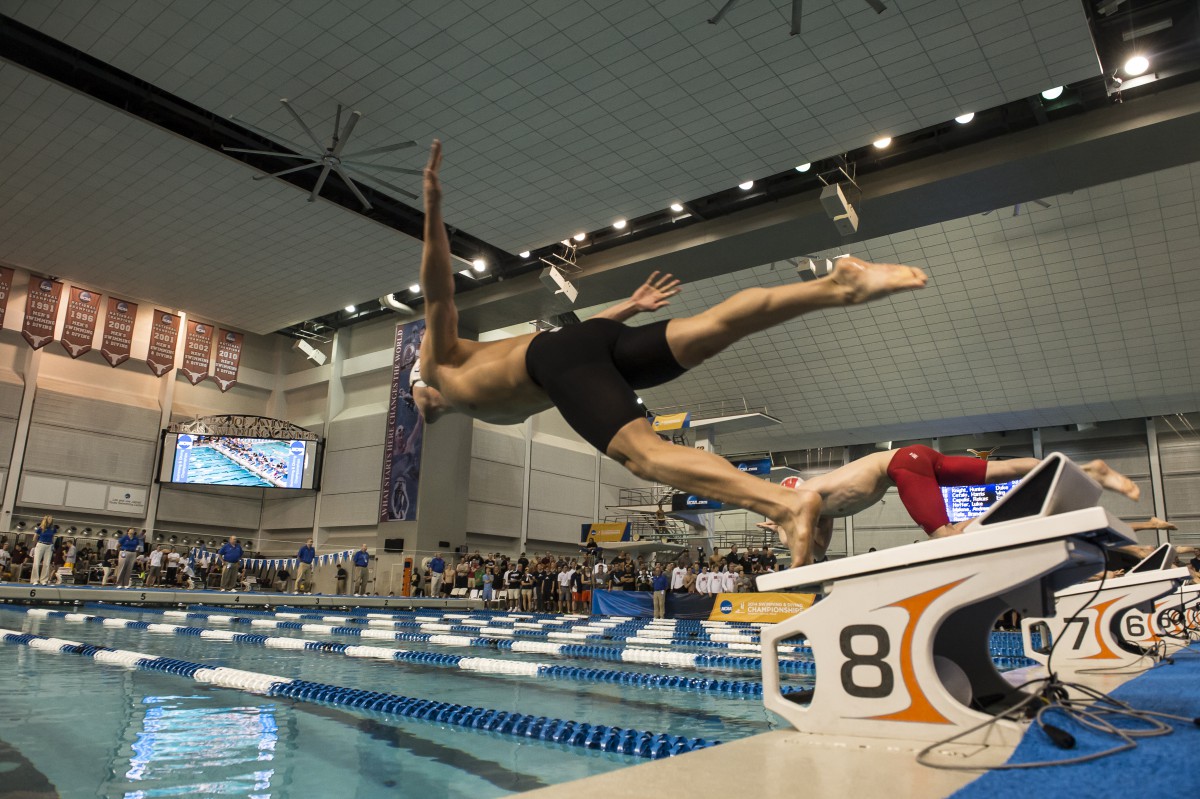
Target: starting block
(1172, 621)
(1088, 617)
(901, 638)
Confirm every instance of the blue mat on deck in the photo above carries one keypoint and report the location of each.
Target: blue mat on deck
(1165, 766)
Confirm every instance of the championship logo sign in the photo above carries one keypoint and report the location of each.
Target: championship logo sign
(671, 421)
(83, 308)
(405, 431)
(164, 334)
(765, 607)
(6, 281)
(41, 311)
(197, 348)
(117, 341)
(229, 359)
(604, 532)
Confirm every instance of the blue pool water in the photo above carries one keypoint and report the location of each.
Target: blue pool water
(100, 730)
(207, 465)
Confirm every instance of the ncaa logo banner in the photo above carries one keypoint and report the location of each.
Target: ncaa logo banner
(765, 607)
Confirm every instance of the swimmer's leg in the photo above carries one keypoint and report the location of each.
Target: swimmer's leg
(637, 447)
(696, 338)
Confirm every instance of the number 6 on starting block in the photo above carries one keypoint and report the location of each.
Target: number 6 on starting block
(901, 639)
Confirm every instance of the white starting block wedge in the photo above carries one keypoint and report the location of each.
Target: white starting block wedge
(901, 638)
(1086, 621)
(1171, 623)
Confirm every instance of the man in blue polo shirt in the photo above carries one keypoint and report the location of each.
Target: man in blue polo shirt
(437, 572)
(658, 584)
(128, 548)
(361, 561)
(304, 571)
(230, 554)
(43, 551)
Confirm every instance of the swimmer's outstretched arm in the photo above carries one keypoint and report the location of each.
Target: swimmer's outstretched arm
(437, 274)
(650, 296)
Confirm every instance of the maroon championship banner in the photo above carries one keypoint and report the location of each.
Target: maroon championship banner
(6, 279)
(41, 311)
(118, 331)
(405, 434)
(83, 308)
(229, 359)
(197, 349)
(164, 333)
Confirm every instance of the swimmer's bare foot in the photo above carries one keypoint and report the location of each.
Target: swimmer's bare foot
(1153, 523)
(1111, 479)
(798, 527)
(865, 281)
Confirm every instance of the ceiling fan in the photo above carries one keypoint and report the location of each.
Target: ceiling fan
(331, 158)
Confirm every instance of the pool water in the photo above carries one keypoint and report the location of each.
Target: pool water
(207, 465)
(94, 729)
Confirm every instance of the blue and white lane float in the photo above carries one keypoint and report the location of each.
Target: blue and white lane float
(638, 743)
(497, 666)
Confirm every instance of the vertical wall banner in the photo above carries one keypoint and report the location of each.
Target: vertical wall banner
(83, 309)
(6, 281)
(197, 350)
(41, 311)
(229, 359)
(118, 331)
(164, 333)
(405, 432)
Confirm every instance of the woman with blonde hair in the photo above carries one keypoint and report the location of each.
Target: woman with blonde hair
(43, 551)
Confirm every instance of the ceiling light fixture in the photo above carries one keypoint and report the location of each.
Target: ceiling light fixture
(350, 309)
(579, 236)
(1137, 65)
(479, 264)
(747, 186)
(677, 207)
(882, 143)
(620, 224)
(415, 288)
(965, 118)
(1052, 94)
(523, 254)
(804, 167)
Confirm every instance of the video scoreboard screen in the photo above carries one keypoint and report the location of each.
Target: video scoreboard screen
(237, 461)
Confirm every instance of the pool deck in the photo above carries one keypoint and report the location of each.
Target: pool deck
(24, 592)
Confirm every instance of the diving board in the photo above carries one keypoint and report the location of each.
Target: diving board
(900, 639)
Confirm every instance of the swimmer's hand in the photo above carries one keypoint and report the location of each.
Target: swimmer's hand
(433, 185)
(655, 292)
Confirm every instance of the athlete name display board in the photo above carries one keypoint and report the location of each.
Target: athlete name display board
(117, 341)
(197, 347)
(229, 359)
(83, 309)
(164, 334)
(967, 502)
(6, 281)
(41, 311)
(405, 431)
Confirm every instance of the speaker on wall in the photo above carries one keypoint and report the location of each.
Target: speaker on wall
(393, 545)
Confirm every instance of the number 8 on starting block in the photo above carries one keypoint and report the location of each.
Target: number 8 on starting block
(901, 638)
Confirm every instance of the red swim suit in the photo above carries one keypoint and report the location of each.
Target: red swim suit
(920, 472)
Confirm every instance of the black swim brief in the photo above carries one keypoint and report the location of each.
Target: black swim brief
(591, 372)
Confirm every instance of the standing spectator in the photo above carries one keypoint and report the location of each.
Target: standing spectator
(658, 584)
(512, 587)
(230, 555)
(42, 551)
(5, 560)
(361, 561)
(528, 582)
(462, 573)
(341, 579)
(677, 575)
(728, 580)
(489, 577)
(128, 548)
(700, 586)
(172, 563)
(304, 570)
(154, 572)
(566, 578)
(437, 573)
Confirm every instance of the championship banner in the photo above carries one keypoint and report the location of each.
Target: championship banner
(672, 421)
(197, 349)
(41, 311)
(765, 607)
(758, 466)
(682, 502)
(164, 333)
(118, 331)
(604, 533)
(83, 308)
(229, 359)
(405, 431)
(6, 281)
